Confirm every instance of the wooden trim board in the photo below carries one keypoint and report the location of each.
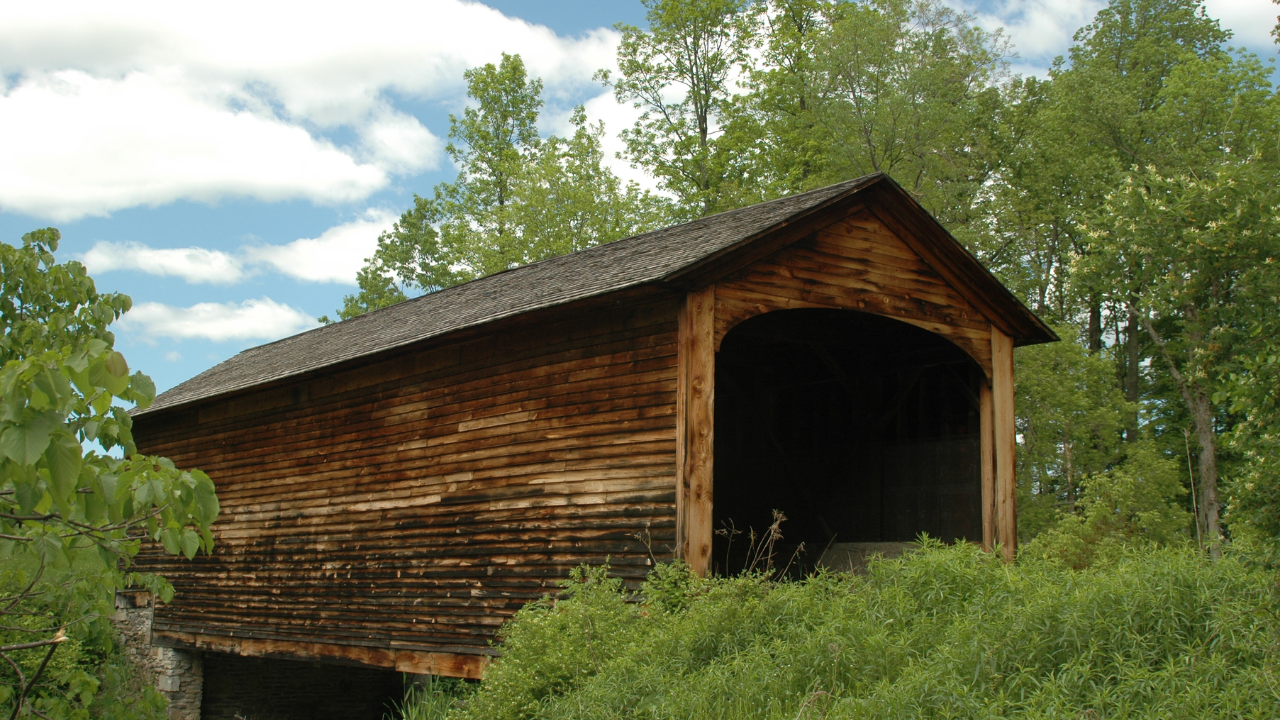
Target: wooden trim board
(417, 662)
(695, 414)
(988, 461)
(1005, 441)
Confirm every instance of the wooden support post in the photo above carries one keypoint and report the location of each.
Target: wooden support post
(1005, 442)
(988, 459)
(695, 406)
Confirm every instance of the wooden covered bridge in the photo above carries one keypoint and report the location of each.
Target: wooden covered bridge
(395, 486)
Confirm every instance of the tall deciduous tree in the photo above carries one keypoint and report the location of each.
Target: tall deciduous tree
(908, 87)
(1196, 257)
(1070, 418)
(518, 198)
(71, 518)
(678, 73)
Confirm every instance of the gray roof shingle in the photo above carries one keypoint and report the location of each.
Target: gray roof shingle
(622, 264)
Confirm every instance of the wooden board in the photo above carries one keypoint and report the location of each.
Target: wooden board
(403, 510)
(695, 414)
(470, 666)
(987, 428)
(1005, 441)
(854, 264)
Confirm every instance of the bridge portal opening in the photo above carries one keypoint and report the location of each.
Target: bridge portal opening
(862, 430)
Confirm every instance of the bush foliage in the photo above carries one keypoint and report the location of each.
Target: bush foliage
(948, 631)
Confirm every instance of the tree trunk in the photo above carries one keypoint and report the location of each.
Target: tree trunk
(1202, 415)
(1095, 325)
(1132, 358)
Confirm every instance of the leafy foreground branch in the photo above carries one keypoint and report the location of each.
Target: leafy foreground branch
(70, 518)
(948, 631)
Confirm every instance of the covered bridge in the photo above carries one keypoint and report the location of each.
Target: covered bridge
(395, 486)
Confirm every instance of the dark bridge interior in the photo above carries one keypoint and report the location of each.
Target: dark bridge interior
(857, 427)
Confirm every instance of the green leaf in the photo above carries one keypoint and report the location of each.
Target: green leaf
(115, 364)
(169, 538)
(49, 548)
(123, 484)
(28, 495)
(142, 495)
(25, 443)
(78, 362)
(109, 558)
(64, 460)
(95, 507)
(190, 543)
(206, 500)
(144, 390)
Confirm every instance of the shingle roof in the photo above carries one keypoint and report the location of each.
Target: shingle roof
(642, 259)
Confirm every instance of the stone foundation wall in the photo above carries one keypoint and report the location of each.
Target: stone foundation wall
(177, 674)
(217, 686)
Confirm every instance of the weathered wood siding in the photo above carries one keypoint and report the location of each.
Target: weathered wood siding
(411, 505)
(857, 264)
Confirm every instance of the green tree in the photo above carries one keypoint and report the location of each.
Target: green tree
(1196, 259)
(1137, 501)
(518, 198)
(1071, 421)
(678, 74)
(72, 518)
(909, 88)
(1114, 106)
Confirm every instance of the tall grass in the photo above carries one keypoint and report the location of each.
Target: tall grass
(946, 632)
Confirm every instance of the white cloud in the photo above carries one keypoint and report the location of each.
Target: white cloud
(1250, 20)
(399, 143)
(335, 256)
(1042, 29)
(144, 103)
(616, 117)
(193, 264)
(255, 319)
(90, 146)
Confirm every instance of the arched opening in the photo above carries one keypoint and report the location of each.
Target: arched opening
(862, 430)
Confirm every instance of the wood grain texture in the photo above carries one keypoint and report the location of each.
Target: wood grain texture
(987, 428)
(396, 511)
(408, 661)
(1005, 440)
(695, 419)
(403, 510)
(854, 264)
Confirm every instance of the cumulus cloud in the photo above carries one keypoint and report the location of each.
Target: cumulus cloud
(92, 145)
(1042, 29)
(1250, 20)
(334, 256)
(149, 102)
(193, 264)
(616, 118)
(255, 319)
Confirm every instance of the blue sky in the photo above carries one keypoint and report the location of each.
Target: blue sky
(229, 169)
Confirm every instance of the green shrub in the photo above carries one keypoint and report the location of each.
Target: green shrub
(948, 631)
(88, 675)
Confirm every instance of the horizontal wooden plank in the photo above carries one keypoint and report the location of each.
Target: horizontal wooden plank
(424, 503)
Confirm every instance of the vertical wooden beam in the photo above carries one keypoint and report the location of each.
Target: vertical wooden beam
(988, 459)
(1005, 441)
(695, 413)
